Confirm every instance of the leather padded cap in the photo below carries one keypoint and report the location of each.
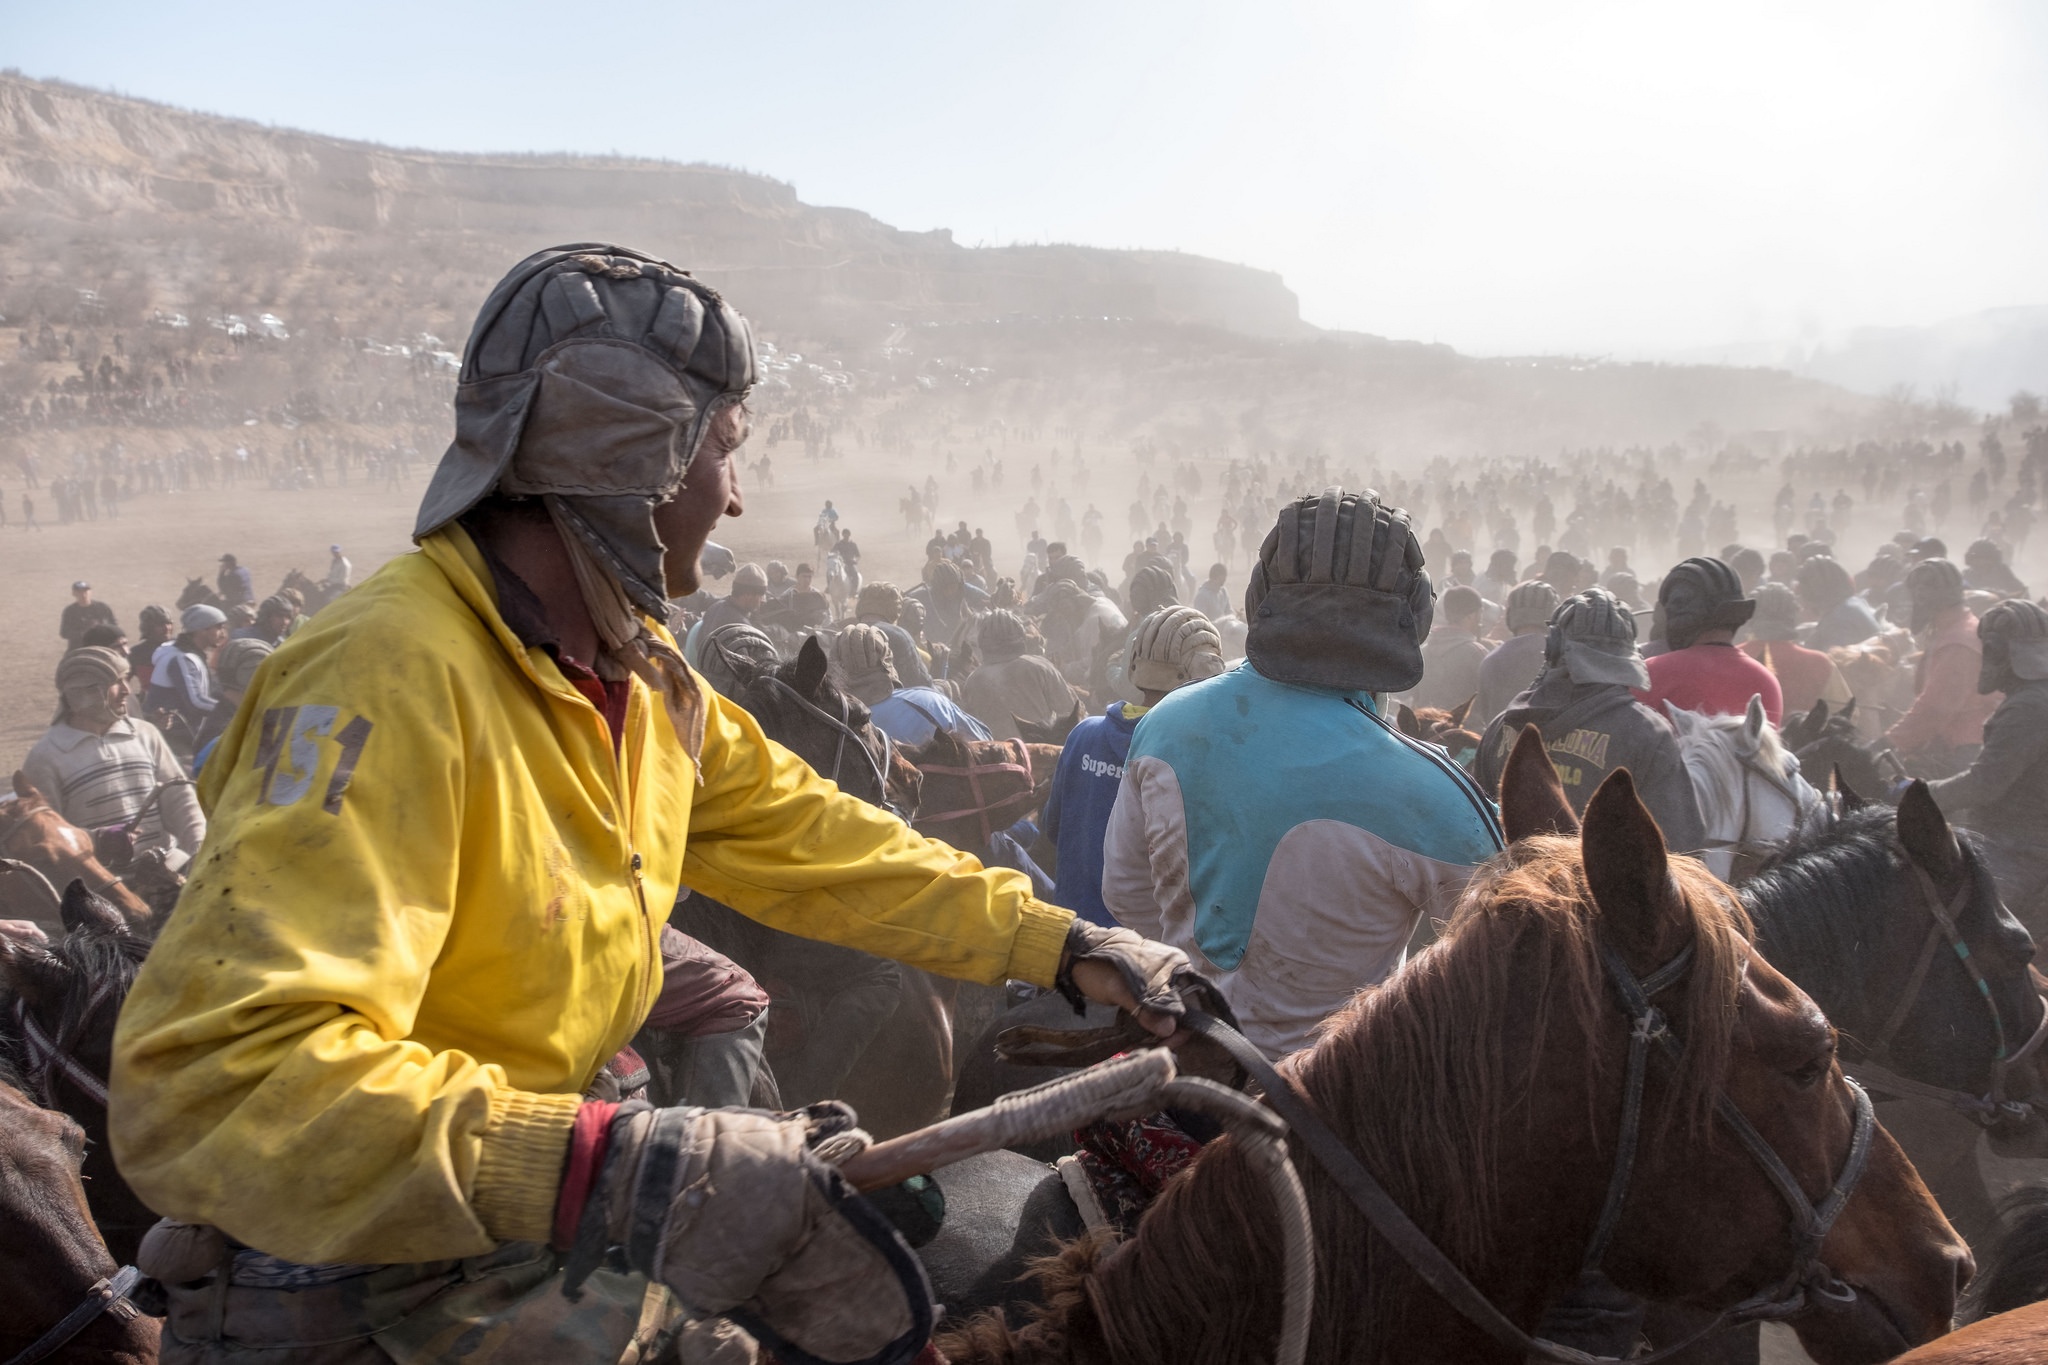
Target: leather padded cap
(590, 376)
(1594, 637)
(1339, 598)
(1699, 595)
(2015, 638)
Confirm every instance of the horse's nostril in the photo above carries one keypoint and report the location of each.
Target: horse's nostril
(1965, 1267)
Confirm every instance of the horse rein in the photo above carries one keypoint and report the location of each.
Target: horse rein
(1742, 845)
(1991, 1107)
(1648, 1029)
(50, 1056)
(109, 1294)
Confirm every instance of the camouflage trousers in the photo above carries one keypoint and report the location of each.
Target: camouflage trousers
(505, 1307)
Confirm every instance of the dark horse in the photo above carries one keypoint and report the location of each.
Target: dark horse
(58, 1018)
(1483, 1086)
(51, 1257)
(844, 1024)
(1851, 907)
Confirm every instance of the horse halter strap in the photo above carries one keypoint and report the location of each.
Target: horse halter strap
(1811, 1222)
(1986, 1109)
(106, 1295)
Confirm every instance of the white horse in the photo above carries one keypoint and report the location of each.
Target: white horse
(1750, 793)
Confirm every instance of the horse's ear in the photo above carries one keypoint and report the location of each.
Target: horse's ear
(33, 972)
(1405, 722)
(1924, 830)
(1532, 800)
(1848, 711)
(1629, 873)
(1754, 719)
(84, 909)
(1681, 719)
(811, 667)
(1817, 719)
(1464, 708)
(24, 789)
(1851, 799)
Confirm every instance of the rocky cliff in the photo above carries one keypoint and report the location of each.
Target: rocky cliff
(221, 202)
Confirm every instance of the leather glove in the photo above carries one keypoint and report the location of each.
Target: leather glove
(1153, 971)
(735, 1212)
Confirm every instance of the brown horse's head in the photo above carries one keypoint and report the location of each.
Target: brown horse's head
(32, 832)
(1483, 1085)
(973, 788)
(53, 1253)
(1721, 1223)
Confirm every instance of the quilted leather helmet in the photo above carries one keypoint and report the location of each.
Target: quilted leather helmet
(2015, 639)
(589, 380)
(1171, 648)
(1594, 637)
(1339, 598)
(1701, 595)
(1530, 604)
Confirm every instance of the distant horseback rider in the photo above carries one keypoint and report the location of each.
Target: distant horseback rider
(233, 584)
(1943, 729)
(181, 671)
(453, 811)
(1013, 682)
(105, 770)
(2003, 795)
(1170, 649)
(1703, 605)
(1805, 676)
(1985, 570)
(881, 605)
(1271, 822)
(1584, 706)
(1515, 662)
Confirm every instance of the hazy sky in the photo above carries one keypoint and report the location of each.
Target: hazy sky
(1626, 177)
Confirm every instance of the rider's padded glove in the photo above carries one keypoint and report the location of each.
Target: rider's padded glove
(734, 1212)
(1153, 971)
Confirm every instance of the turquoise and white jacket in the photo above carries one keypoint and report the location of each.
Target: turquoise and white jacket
(1287, 839)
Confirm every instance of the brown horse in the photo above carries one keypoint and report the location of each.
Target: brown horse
(51, 1257)
(58, 1017)
(54, 852)
(976, 788)
(1447, 729)
(1483, 1086)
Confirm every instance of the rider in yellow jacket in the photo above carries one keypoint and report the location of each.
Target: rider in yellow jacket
(443, 847)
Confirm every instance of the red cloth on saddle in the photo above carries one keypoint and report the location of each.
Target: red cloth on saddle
(1130, 1160)
(702, 991)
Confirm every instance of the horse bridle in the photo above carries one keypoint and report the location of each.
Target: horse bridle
(49, 1056)
(843, 723)
(108, 1294)
(1992, 1107)
(1648, 1029)
(1742, 844)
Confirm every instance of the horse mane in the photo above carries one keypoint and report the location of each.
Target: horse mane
(1526, 922)
(1812, 899)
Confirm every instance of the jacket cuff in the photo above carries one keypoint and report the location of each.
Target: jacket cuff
(1041, 936)
(519, 1166)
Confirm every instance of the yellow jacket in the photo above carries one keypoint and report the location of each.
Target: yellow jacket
(426, 911)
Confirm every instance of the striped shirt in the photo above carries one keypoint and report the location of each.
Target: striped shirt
(99, 780)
